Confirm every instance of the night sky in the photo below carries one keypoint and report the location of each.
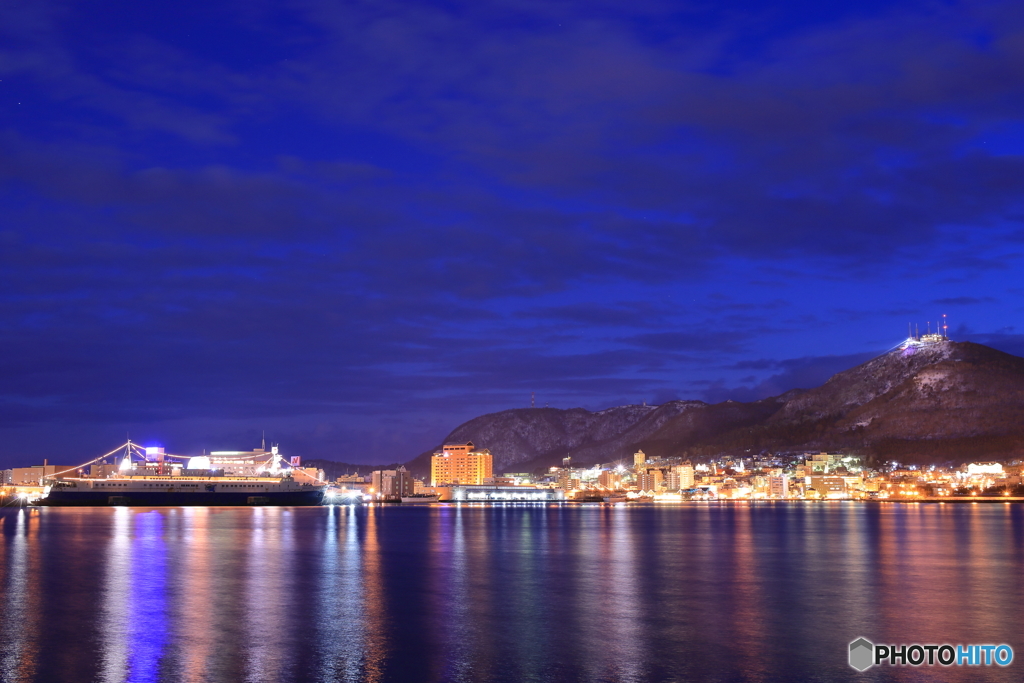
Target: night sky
(357, 225)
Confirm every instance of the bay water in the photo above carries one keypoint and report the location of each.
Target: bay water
(691, 592)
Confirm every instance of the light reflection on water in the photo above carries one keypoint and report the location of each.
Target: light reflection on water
(115, 628)
(268, 578)
(516, 593)
(195, 579)
(19, 620)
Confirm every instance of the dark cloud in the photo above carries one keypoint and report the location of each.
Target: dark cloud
(670, 342)
(1006, 340)
(964, 300)
(639, 314)
(373, 220)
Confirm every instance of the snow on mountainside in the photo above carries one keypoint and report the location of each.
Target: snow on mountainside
(970, 391)
(865, 382)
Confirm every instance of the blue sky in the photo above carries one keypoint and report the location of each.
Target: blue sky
(357, 226)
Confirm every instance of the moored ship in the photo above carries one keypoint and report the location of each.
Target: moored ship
(149, 484)
(155, 491)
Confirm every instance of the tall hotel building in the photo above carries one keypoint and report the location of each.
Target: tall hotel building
(459, 463)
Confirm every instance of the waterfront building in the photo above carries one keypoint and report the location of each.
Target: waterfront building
(363, 487)
(461, 464)
(481, 493)
(308, 475)
(392, 484)
(854, 482)
(650, 480)
(731, 488)
(34, 476)
(610, 479)
(778, 486)
(874, 484)
(686, 476)
(937, 489)
(102, 470)
(569, 479)
(827, 486)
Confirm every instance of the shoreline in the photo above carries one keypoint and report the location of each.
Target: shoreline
(592, 503)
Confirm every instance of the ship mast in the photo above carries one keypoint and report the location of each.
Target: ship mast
(126, 461)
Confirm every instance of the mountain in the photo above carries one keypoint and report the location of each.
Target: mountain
(951, 401)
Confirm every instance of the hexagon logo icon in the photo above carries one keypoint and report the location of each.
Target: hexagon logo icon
(862, 654)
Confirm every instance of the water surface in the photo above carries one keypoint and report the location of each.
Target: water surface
(700, 592)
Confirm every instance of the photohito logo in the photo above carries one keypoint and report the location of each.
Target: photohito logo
(864, 654)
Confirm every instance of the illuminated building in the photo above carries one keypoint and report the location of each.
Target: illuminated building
(685, 472)
(824, 462)
(392, 484)
(481, 494)
(461, 464)
(35, 475)
(817, 462)
(828, 487)
(778, 486)
(650, 480)
(569, 479)
(639, 458)
(103, 470)
(976, 468)
(308, 475)
(610, 479)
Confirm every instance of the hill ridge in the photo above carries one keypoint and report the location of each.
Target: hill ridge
(941, 402)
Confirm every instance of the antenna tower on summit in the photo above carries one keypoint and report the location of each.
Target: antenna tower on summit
(533, 399)
(916, 340)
